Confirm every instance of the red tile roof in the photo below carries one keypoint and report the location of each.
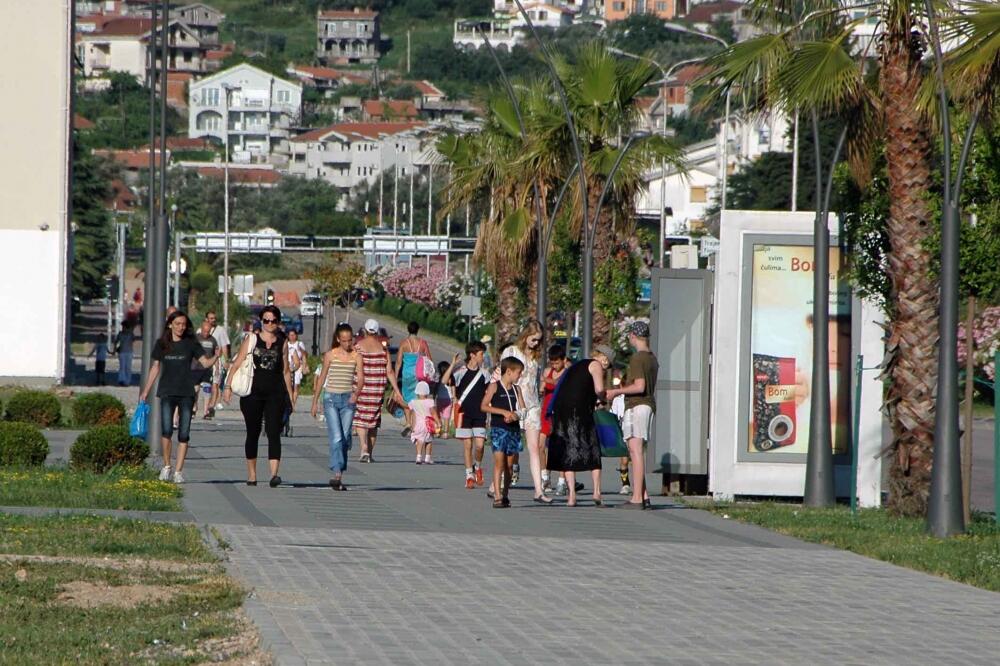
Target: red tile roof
(706, 12)
(366, 130)
(81, 123)
(130, 159)
(426, 88)
(397, 108)
(242, 176)
(685, 75)
(348, 14)
(317, 72)
(122, 198)
(217, 54)
(125, 27)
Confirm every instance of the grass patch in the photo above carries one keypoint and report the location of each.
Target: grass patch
(135, 488)
(100, 536)
(973, 558)
(96, 590)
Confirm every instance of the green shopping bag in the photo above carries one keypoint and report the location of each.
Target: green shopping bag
(609, 434)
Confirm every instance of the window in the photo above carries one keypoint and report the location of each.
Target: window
(699, 194)
(661, 6)
(284, 96)
(209, 121)
(210, 97)
(618, 6)
(187, 56)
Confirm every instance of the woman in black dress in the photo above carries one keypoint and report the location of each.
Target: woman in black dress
(573, 444)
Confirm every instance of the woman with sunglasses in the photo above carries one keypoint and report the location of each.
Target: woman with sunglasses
(270, 393)
(528, 350)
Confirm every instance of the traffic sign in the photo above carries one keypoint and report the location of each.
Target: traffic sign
(708, 245)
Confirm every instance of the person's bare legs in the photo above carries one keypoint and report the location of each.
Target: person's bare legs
(595, 475)
(372, 436)
(182, 450)
(252, 470)
(467, 451)
(274, 464)
(571, 487)
(165, 446)
(362, 441)
(639, 494)
(531, 437)
(501, 476)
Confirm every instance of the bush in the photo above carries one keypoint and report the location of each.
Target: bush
(38, 407)
(22, 444)
(101, 448)
(96, 409)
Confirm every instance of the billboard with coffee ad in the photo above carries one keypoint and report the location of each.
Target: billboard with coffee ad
(781, 347)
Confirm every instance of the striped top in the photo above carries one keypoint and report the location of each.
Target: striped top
(340, 376)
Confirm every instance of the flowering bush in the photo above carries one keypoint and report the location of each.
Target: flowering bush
(986, 340)
(448, 295)
(414, 284)
(374, 279)
(620, 331)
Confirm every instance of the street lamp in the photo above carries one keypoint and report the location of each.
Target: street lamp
(227, 89)
(677, 27)
(589, 233)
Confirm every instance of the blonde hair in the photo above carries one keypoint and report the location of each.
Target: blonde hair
(532, 329)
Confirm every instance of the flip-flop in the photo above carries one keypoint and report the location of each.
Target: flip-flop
(632, 505)
(542, 500)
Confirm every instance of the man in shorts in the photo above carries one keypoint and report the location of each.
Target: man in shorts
(202, 376)
(639, 388)
(471, 382)
(222, 339)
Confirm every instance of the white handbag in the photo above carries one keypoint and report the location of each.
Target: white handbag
(242, 380)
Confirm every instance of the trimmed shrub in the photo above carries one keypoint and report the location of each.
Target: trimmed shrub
(101, 448)
(38, 407)
(22, 444)
(94, 409)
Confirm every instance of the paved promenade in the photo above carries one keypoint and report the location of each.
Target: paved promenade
(409, 567)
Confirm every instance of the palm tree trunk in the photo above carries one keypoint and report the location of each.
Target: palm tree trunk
(912, 333)
(605, 239)
(506, 285)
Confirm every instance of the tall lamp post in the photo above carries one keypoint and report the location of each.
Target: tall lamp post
(676, 27)
(589, 235)
(227, 89)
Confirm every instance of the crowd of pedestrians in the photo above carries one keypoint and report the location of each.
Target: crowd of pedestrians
(516, 406)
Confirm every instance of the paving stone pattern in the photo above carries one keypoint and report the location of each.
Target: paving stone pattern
(408, 567)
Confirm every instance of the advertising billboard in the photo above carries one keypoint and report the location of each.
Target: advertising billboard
(779, 377)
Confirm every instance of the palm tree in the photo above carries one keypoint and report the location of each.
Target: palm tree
(603, 96)
(807, 60)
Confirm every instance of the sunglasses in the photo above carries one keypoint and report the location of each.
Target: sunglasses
(269, 321)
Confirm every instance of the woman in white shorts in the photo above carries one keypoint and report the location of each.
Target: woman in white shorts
(296, 361)
(527, 349)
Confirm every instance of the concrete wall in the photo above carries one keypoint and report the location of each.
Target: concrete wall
(34, 177)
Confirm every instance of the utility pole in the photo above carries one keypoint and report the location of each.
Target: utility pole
(407, 51)
(149, 319)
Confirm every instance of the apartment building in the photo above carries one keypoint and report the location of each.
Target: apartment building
(122, 44)
(202, 19)
(251, 109)
(344, 37)
(347, 154)
(668, 10)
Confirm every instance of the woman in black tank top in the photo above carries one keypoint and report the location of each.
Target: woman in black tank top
(270, 393)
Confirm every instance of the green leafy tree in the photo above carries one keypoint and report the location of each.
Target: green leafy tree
(93, 231)
(121, 115)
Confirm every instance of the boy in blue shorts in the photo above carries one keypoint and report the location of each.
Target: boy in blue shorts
(501, 402)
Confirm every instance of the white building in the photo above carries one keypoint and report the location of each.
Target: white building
(750, 137)
(254, 108)
(468, 33)
(122, 45)
(35, 230)
(347, 154)
(686, 197)
(542, 15)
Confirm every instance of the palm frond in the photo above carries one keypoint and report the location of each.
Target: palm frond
(748, 68)
(973, 69)
(820, 75)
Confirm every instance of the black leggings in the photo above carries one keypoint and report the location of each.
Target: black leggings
(267, 410)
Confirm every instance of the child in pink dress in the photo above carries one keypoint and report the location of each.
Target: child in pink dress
(425, 422)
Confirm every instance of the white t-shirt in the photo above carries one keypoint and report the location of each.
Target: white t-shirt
(528, 383)
(221, 337)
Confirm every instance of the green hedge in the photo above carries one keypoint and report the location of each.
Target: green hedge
(441, 322)
(38, 407)
(101, 448)
(94, 409)
(22, 444)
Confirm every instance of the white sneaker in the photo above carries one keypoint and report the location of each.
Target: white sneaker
(178, 477)
(165, 473)
(428, 461)
(626, 490)
(420, 460)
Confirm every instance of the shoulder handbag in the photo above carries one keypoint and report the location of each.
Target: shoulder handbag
(609, 434)
(242, 381)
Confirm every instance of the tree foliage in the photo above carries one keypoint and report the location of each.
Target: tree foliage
(120, 115)
(93, 235)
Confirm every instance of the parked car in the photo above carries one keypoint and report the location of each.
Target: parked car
(292, 324)
(311, 306)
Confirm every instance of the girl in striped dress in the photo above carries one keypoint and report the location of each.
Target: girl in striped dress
(377, 370)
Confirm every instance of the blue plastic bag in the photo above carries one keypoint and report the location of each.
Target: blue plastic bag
(140, 420)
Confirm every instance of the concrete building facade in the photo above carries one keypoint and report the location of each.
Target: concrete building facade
(35, 230)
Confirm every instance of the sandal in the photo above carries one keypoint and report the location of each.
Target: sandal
(542, 499)
(498, 504)
(506, 502)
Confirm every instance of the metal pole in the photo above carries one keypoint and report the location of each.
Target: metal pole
(725, 152)
(856, 439)
(944, 508)
(149, 319)
(430, 197)
(410, 213)
(795, 164)
(177, 267)
(225, 217)
(970, 367)
(395, 209)
(120, 312)
(381, 178)
(819, 489)
(589, 233)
